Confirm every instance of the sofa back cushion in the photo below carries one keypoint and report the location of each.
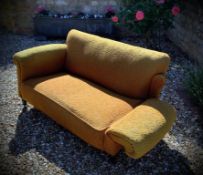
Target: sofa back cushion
(123, 68)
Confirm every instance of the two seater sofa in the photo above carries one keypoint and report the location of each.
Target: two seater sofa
(103, 91)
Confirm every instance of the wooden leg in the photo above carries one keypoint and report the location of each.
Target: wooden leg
(24, 105)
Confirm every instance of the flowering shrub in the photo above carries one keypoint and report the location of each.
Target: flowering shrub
(139, 15)
(175, 10)
(41, 10)
(109, 11)
(148, 16)
(115, 19)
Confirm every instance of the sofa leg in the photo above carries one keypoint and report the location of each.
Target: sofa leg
(24, 105)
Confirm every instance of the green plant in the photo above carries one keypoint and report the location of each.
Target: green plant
(194, 84)
(147, 17)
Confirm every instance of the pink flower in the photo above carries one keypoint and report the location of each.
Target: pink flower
(139, 15)
(160, 1)
(39, 9)
(115, 19)
(175, 10)
(109, 9)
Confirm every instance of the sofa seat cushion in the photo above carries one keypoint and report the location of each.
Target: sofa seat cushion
(78, 104)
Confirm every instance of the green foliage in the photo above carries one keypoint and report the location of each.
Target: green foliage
(155, 15)
(194, 84)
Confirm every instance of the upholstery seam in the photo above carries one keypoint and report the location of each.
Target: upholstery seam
(125, 139)
(150, 86)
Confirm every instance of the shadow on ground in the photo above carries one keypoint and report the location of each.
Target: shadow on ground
(35, 131)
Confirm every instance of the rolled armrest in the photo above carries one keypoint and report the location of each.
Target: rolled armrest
(157, 84)
(38, 61)
(141, 129)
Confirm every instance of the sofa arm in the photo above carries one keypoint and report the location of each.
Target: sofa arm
(141, 129)
(157, 85)
(41, 60)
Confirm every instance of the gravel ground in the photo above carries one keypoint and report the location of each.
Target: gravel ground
(31, 143)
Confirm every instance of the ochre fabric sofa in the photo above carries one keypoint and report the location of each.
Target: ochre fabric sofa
(103, 91)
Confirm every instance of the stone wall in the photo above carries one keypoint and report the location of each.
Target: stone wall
(87, 6)
(17, 15)
(188, 31)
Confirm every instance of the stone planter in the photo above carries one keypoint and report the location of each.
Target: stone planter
(57, 27)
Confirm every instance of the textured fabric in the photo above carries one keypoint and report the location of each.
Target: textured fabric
(141, 129)
(38, 61)
(105, 115)
(120, 67)
(157, 84)
(91, 109)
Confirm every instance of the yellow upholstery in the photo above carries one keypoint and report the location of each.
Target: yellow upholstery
(141, 129)
(84, 103)
(43, 60)
(121, 67)
(156, 86)
(94, 87)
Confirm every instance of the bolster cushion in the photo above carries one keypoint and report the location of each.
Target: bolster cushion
(123, 68)
(141, 129)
